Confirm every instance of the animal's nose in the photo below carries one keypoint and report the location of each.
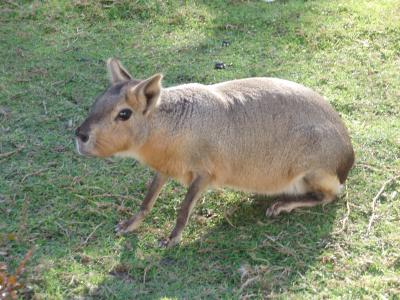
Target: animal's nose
(84, 137)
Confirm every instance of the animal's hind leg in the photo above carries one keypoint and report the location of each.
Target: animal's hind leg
(321, 189)
(289, 203)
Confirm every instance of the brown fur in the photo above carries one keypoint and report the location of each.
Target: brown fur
(263, 135)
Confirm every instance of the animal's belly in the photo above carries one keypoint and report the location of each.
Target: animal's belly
(255, 182)
(266, 185)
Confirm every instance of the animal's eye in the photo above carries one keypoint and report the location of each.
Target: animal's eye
(124, 114)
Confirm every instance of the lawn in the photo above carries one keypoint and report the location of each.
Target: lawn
(65, 206)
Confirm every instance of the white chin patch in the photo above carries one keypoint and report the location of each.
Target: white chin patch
(128, 153)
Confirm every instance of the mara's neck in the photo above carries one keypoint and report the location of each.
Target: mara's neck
(160, 150)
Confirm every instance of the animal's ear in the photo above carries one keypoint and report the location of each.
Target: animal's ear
(116, 71)
(144, 96)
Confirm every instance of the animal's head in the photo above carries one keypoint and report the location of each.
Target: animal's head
(118, 120)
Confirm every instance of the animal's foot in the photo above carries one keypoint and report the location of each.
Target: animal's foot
(278, 207)
(128, 225)
(121, 227)
(169, 242)
(288, 204)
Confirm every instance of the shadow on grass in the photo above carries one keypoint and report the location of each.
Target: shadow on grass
(244, 253)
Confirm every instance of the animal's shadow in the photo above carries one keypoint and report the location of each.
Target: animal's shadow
(244, 253)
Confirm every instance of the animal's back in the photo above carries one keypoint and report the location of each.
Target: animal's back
(258, 134)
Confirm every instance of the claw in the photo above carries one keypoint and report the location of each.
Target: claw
(121, 228)
(275, 209)
(129, 225)
(169, 242)
(163, 243)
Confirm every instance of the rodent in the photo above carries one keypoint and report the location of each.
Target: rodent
(262, 135)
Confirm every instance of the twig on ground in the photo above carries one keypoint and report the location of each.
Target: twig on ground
(63, 229)
(72, 281)
(248, 296)
(366, 166)
(12, 3)
(255, 258)
(279, 247)
(148, 267)
(7, 154)
(346, 218)
(248, 282)
(44, 107)
(373, 205)
(33, 174)
(302, 227)
(91, 234)
(228, 221)
(38, 172)
(375, 169)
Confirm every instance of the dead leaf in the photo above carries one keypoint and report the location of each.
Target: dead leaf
(12, 280)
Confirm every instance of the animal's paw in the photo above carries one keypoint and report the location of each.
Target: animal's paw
(124, 227)
(121, 227)
(278, 207)
(129, 225)
(169, 242)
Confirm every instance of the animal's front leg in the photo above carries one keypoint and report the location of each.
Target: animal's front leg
(148, 202)
(195, 189)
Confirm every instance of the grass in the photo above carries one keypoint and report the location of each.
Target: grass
(53, 65)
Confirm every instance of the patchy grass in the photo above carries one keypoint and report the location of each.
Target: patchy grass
(52, 67)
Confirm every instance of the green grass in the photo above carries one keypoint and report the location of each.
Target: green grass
(52, 67)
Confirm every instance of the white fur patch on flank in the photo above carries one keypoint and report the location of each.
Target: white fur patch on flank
(296, 187)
